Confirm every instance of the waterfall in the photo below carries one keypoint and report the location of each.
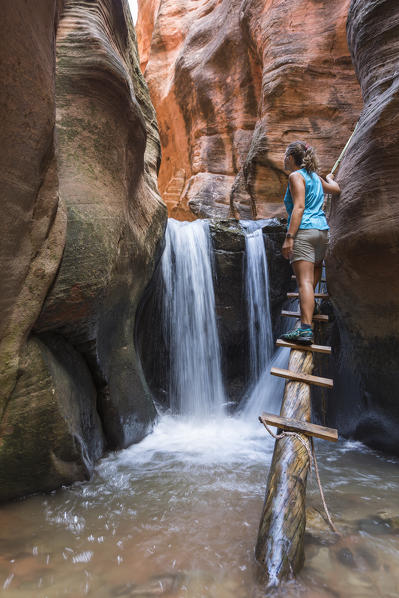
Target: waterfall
(189, 320)
(264, 391)
(257, 296)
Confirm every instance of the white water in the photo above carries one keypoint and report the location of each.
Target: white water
(258, 304)
(189, 320)
(264, 391)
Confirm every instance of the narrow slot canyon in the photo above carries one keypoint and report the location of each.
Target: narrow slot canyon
(143, 247)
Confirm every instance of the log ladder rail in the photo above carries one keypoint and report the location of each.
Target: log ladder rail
(297, 376)
(280, 547)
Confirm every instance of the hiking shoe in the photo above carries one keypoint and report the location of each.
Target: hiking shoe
(302, 336)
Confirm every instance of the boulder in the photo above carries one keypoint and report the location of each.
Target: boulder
(51, 432)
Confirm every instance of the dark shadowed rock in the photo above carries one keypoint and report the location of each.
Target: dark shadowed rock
(364, 256)
(54, 437)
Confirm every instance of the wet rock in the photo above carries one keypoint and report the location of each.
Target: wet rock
(115, 218)
(354, 552)
(56, 438)
(228, 239)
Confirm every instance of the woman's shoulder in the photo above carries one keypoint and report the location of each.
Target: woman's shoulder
(297, 174)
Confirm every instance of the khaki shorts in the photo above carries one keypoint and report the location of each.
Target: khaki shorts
(310, 244)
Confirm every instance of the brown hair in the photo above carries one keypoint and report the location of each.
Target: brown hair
(304, 155)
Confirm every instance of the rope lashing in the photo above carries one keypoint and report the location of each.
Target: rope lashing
(312, 459)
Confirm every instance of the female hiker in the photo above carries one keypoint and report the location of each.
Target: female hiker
(307, 233)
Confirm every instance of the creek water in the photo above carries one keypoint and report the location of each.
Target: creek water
(177, 514)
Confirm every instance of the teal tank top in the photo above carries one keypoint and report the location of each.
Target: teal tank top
(313, 216)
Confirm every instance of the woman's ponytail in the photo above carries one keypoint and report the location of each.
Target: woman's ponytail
(304, 155)
(309, 160)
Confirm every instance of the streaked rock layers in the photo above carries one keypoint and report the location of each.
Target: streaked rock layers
(87, 225)
(233, 81)
(363, 264)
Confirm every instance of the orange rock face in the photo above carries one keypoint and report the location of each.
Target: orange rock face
(233, 83)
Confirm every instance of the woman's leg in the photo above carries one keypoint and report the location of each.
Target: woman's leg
(317, 274)
(305, 276)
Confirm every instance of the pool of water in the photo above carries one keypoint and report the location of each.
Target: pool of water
(177, 516)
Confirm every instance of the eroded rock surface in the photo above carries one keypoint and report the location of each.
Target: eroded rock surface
(89, 223)
(364, 253)
(233, 82)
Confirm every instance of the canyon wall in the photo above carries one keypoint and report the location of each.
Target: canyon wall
(81, 231)
(363, 262)
(233, 82)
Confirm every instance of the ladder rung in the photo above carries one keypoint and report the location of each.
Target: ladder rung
(317, 295)
(321, 280)
(295, 425)
(298, 347)
(298, 377)
(296, 314)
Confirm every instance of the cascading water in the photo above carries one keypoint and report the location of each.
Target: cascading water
(189, 321)
(265, 391)
(257, 295)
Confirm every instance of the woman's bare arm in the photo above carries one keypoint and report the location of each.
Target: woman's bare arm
(297, 188)
(330, 186)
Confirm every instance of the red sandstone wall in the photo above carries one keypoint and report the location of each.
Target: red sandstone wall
(232, 83)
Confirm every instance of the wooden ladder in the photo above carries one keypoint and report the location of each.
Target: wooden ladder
(280, 544)
(295, 376)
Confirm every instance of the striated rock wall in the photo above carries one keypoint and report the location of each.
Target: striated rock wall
(233, 82)
(363, 262)
(79, 241)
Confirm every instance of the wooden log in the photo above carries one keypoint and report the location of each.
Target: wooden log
(301, 377)
(316, 295)
(315, 348)
(297, 314)
(279, 548)
(321, 280)
(293, 425)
